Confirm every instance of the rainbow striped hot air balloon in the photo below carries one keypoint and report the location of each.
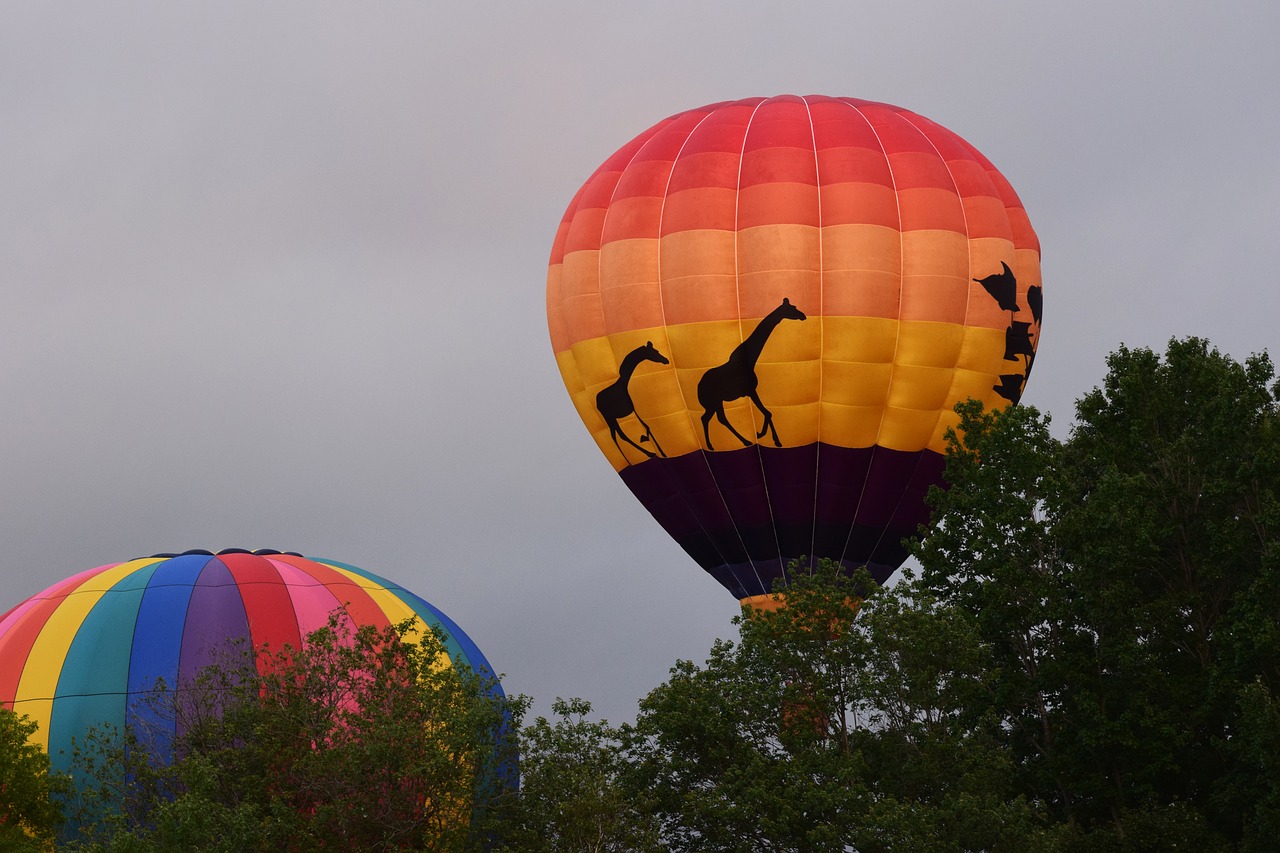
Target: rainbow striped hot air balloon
(86, 651)
(766, 310)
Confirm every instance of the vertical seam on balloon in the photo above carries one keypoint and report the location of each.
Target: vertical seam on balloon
(133, 638)
(293, 605)
(182, 634)
(737, 291)
(822, 340)
(662, 212)
(875, 448)
(63, 667)
(604, 221)
(46, 729)
(59, 591)
(658, 248)
(662, 307)
(907, 117)
(26, 654)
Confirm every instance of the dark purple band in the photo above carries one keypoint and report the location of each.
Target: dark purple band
(745, 514)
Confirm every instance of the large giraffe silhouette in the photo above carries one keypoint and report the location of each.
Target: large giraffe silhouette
(615, 401)
(737, 377)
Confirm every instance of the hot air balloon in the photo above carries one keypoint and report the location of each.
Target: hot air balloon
(88, 650)
(765, 311)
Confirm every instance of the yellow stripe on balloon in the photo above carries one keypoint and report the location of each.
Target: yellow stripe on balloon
(39, 680)
(388, 602)
(392, 605)
(847, 381)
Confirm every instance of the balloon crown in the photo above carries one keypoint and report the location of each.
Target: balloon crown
(259, 552)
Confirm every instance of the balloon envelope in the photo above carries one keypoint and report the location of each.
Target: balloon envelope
(765, 311)
(86, 651)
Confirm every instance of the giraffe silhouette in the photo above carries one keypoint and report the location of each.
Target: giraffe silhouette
(615, 402)
(737, 377)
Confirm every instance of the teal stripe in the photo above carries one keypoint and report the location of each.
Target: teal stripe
(94, 679)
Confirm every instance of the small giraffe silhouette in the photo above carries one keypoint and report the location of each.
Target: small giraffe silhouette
(615, 401)
(737, 377)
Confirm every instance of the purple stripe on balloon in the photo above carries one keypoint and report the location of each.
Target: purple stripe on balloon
(215, 616)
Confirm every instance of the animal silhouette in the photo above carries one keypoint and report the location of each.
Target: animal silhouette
(737, 378)
(615, 402)
(1035, 301)
(1017, 341)
(1010, 386)
(1003, 287)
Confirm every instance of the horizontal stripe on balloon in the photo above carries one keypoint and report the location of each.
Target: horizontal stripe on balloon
(846, 381)
(824, 145)
(854, 270)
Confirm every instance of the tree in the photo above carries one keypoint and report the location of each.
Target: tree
(29, 815)
(368, 741)
(1127, 581)
(572, 799)
(834, 723)
(1089, 661)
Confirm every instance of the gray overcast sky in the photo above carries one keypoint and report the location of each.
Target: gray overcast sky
(272, 273)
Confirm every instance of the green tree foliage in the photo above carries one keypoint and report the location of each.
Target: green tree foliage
(371, 741)
(29, 815)
(1126, 582)
(572, 799)
(834, 723)
(1089, 660)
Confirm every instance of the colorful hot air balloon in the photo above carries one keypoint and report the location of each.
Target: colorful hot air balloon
(766, 310)
(86, 651)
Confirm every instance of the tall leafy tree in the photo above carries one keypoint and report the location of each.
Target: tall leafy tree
(369, 740)
(29, 813)
(1089, 661)
(572, 797)
(836, 722)
(1126, 581)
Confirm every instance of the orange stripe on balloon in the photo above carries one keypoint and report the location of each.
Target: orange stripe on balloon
(632, 218)
(647, 179)
(779, 165)
(705, 169)
(859, 204)
(698, 209)
(778, 204)
(584, 231)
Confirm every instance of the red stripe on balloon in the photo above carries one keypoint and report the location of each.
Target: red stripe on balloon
(272, 622)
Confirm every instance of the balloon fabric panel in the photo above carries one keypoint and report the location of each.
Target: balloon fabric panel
(97, 661)
(21, 626)
(46, 654)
